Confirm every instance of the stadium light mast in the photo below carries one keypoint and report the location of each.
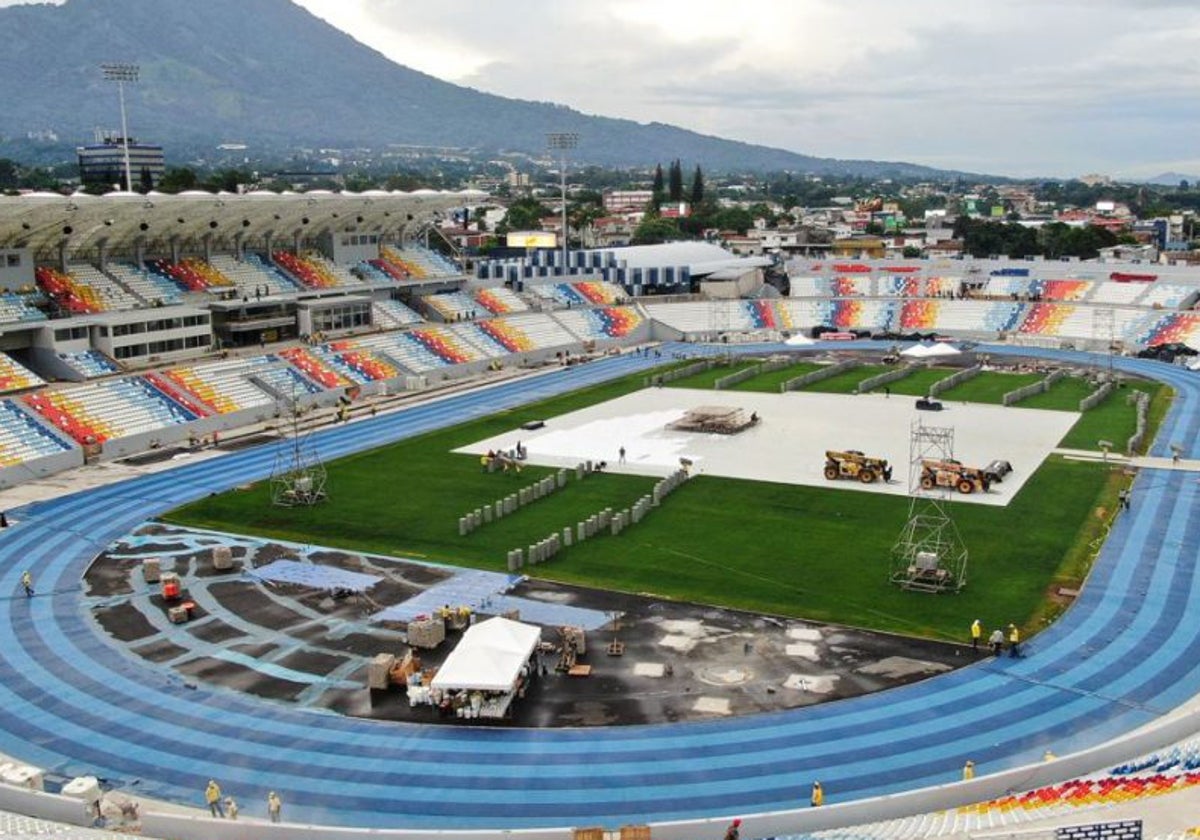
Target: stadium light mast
(563, 141)
(122, 73)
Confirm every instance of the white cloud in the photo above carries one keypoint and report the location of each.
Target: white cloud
(1024, 87)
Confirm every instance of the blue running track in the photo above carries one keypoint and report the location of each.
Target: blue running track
(74, 702)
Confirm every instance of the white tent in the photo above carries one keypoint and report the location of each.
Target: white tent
(799, 340)
(944, 349)
(489, 657)
(918, 351)
(929, 351)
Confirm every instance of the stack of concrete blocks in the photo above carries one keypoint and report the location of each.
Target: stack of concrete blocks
(222, 558)
(380, 670)
(151, 569)
(516, 559)
(86, 789)
(426, 632)
(23, 776)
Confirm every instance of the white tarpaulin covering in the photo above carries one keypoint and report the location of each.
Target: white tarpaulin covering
(489, 657)
(799, 340)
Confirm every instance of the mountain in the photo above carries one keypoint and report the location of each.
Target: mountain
(270, 74)
(1170, 179)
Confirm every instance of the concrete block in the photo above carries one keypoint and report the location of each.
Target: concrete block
(462, 526)
(487, 514)
(499, 510)
(562, 479)
(566, 536)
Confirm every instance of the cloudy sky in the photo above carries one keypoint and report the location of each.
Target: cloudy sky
(1013, 87)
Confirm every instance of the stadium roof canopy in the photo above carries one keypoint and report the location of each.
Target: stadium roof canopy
(702, 258)
(48, 222)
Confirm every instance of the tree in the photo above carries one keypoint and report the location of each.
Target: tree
(176, 180)
(659, 183)
(911, 252)
(675, 182)
(9, 175)
(697, 186)
(733, 218)
(654, 230)
(523, 214)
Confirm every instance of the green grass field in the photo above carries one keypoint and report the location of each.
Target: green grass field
(820, 553)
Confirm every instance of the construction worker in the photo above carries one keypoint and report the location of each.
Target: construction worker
(976, 634)
(274, 805)
(734, 830)
(212, 795)
(1014, 641)
(996, 640)
(818, 795)
(968, 771)
(27, 582)
(231, 807)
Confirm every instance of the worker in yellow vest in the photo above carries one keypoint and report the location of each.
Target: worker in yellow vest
(1014, 641)
(968, 771)
(818, 795)
(976, 634)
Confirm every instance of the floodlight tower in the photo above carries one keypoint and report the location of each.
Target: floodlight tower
(122, 73)
(563, 141)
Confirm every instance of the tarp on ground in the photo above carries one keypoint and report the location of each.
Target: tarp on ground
(489, 657)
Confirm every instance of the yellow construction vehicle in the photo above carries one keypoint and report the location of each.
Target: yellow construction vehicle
(951, 473)
(853, 464)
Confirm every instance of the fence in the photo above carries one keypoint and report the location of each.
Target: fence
(886, 378)
(1039, 387)
(681, 373)
(1096, 397)
(818, 375)
(954, 379)
(750, 372)
(1141, 401)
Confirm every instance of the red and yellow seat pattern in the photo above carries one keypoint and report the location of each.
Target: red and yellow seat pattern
(368, 365)
(187, 379)
(919, 314)
(1045, 319)
(444, 345)
(507, 335)
(1082, 793)
(71, 295)
(309, 272)
(193, 274)
(847, 314)
(69, 416)
(492, 303)
(407, 268)
(596, 293)
(15, 377)
(1064, 289)
(1178, 327)
(314, 368)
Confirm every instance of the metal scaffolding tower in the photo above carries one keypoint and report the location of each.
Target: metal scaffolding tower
(929, 555)
(298, 477)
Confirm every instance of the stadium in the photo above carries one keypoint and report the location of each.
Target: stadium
(162, 350)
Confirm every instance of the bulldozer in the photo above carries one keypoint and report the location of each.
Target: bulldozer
(951, 473)
(853, 464)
